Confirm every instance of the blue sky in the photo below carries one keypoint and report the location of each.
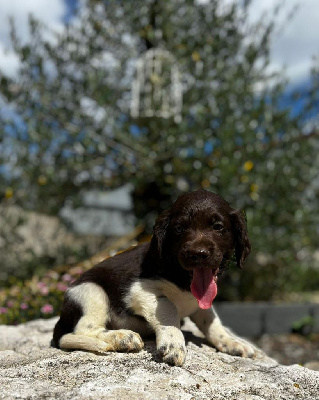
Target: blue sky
(294, 44)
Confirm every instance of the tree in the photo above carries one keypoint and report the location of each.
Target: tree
(73, 129)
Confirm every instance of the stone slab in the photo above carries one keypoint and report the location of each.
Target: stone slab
(30, 369)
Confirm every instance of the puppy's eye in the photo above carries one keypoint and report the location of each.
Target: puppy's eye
(218, 226)
(179, 229)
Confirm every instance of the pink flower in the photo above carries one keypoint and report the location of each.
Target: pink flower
(10, 303)
(47, 309)
(44, 290)
(61, 286)
(3, 310)
(24, 306)
(67, 278)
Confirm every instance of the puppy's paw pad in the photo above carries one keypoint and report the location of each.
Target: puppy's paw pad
(173, 354)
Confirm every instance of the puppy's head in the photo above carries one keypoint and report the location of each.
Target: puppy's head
(201, 232)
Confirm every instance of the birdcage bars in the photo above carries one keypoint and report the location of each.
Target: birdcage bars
(157, 88)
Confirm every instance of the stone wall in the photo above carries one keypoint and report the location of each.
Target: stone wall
(256, 319)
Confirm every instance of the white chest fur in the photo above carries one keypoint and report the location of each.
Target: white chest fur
(145, 292)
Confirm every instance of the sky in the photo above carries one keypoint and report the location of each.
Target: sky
(297, 39)
(294, 44)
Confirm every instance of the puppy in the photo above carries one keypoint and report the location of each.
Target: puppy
(152, 287)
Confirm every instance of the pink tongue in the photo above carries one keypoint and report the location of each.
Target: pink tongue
(204, 287)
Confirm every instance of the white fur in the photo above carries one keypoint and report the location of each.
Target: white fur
(95, 306)
(143, 293)
(90, 332)
(162, 304)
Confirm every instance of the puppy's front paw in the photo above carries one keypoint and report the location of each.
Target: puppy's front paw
(171, 345)
(234, 346)
(173, 354)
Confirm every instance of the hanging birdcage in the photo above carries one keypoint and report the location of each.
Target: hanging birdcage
(157, 88)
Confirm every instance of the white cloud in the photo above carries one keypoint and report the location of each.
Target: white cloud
(297, 41)
(50, 12)
(8, 62)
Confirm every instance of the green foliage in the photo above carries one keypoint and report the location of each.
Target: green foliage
(303, 326)
(269, 279)
(72, 97)
(40, 297)
(75, 132)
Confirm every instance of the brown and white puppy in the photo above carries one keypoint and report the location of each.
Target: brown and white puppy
(152, 287)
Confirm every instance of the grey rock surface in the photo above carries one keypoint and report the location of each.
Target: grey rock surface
(31, 369)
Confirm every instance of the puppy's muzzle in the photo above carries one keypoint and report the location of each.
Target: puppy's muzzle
(199, 256)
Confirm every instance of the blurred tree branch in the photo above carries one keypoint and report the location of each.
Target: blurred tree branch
(67, 126)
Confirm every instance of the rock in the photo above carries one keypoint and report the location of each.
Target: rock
(312, 365)
(31, 369)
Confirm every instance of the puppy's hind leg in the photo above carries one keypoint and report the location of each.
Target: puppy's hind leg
(90, 332)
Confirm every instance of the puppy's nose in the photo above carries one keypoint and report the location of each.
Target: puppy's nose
(198, 254)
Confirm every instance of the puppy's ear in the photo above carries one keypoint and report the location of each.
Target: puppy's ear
(242, 244)
(159, 231)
